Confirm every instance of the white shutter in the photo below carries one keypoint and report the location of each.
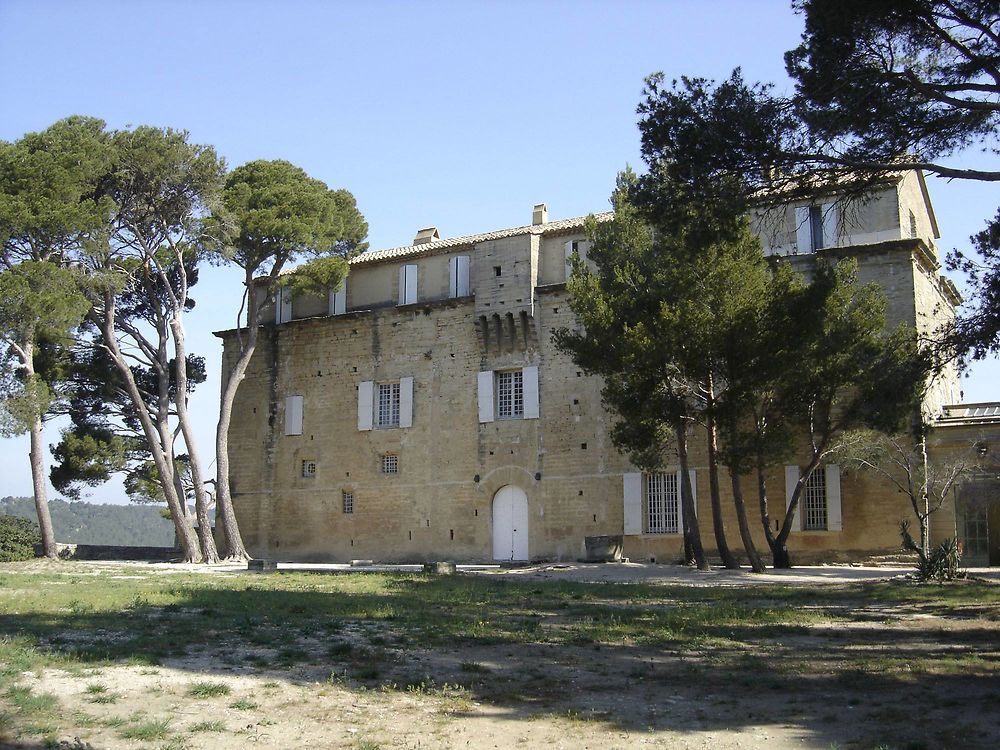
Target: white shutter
(803, 230)
(581, 247)
(338, 299)
(486, 396)
(283, 313)
(458, 276)
(406, 402)
(834, 513)
(693, 475)
(830, 224)
(529, 382)
(293, 415)
(366, 394)
(453, 276)
(632, 493)
(407, 284)
(791, 479)
(568, 250)
(464, 288)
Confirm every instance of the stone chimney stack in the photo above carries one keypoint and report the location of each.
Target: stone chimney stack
(430, 234)
(539, 214)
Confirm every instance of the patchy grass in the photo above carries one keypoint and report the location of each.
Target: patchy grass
(361, 630)
(147, 730)
(208, 726)
(208, 690)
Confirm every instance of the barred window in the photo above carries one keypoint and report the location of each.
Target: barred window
(815, 501)
(309, 469)
(510, 394)
(348, 502)
(388, 405)
(662, 504)
(390, 463)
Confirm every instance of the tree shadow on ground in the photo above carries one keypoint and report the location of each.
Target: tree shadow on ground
(632, 658)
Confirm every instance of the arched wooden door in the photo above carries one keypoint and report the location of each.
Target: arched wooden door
(510, 524)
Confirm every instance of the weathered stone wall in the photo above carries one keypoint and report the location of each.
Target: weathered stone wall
(439, 504)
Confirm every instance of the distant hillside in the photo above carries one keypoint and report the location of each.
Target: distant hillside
(87, 523)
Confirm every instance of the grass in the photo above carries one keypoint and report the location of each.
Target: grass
(208, 690)
(208, 726)
(146, 731)
(29, 702)
(243, 705)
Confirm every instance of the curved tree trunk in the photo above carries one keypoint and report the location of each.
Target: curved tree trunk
(779, 557)
(687, 500)
(235, 549)
(728, 559)
(185, 535)
(37, 456)
(756, 564)
(209, 553)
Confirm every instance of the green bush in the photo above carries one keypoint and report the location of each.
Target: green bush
(18, 537)
(942, 564)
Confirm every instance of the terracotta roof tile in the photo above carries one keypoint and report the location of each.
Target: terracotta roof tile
(413, 251)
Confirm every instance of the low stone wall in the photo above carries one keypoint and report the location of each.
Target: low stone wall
(113, 552)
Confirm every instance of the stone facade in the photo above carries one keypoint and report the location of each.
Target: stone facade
(424, 414)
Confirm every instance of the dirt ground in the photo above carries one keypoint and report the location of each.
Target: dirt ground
(788, 693)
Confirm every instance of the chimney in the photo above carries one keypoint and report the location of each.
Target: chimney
(430, 234)
(539, 214)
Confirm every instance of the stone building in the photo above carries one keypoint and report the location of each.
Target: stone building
(423, 413)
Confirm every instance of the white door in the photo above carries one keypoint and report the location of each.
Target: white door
(510, 524)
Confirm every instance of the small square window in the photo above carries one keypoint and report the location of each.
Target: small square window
(348, 502)
(390, 463)
(309, 469)
(496, 270)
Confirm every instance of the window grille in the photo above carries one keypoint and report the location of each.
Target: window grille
(388, 405)
(348, 502)
(662, 504)
(390, 463)
(309, 469)
(510, 394)
(815, 501)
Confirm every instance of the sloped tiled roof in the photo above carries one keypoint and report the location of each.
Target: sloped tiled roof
(412, 251)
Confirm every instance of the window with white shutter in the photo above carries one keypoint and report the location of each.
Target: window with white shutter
(510, 394)
(366, 401)
(816, 227)
(283, 308)
(485, 393)
(338, 299)
(458, 272)
(293, 415)
(791, 480)
(387, 408)
(407, 284)
(814, 501)
(663, 503)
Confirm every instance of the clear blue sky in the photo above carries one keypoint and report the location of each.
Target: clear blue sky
(460, 115)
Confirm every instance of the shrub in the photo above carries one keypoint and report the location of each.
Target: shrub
(18, 537)
(942, 564)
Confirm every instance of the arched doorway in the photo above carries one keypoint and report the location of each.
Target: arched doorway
(510, 524)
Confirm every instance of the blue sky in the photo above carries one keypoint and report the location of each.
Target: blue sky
(460, 115)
